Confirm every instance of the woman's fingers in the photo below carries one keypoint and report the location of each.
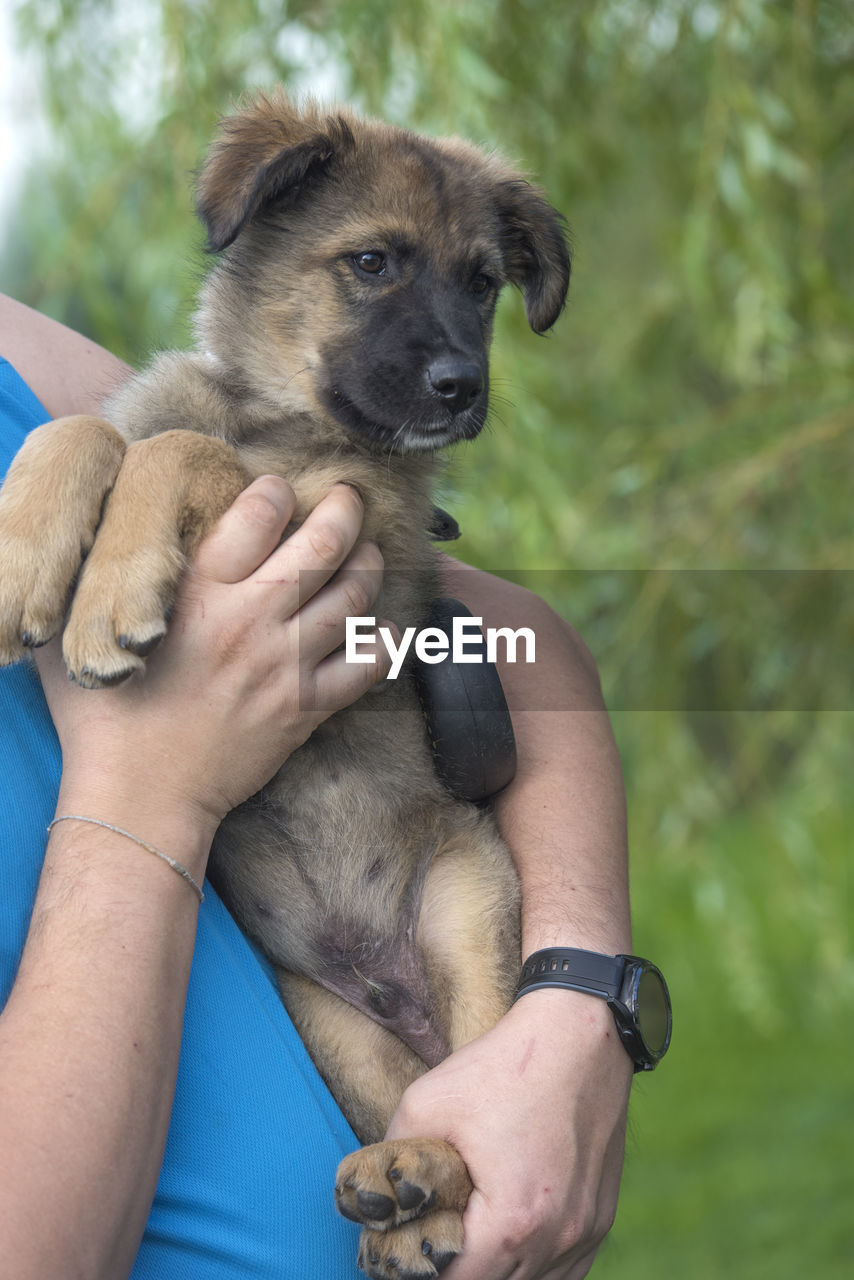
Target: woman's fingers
(246, 546)
(248, 533)
(310, 583)
(337, 683)
(329, 680)
(352, 592)
(316, 550)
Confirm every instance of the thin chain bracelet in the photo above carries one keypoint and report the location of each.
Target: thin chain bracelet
(119, 831)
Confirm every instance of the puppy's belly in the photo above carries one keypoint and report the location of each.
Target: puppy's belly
(386, 981)
(329, 911)
(326, 868)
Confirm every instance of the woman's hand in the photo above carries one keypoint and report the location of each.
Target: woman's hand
(537, 1109)
(246, 671)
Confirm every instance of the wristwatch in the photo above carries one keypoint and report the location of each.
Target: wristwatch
(634, 989)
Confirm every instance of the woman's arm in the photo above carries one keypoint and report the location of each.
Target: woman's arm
(90, 1037)
(537, 1107)
(67, 372)
(564, 813)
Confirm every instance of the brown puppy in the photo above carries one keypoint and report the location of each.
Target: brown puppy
(342, 335)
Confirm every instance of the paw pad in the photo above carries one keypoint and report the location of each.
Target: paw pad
(373, 1206)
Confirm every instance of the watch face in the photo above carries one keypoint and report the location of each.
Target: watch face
(653, 1010)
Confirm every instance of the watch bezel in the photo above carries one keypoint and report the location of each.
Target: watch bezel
(626, 1011)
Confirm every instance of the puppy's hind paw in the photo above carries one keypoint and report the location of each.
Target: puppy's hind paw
(418, 1250)
(409, 1195)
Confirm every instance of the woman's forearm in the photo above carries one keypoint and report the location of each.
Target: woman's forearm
(90, 1039)
(67, 372)
(563, 815)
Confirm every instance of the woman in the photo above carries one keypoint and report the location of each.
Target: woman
(158, 1115)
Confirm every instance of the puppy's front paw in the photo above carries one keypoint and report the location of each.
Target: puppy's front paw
(119, 614)
(409, 1195)
(50, 507)
(35, 585)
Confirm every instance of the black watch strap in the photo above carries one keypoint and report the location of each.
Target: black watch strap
(634, 990)
(589, 971)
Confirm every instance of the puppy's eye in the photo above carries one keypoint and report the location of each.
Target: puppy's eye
(481, 284)
(372, 262)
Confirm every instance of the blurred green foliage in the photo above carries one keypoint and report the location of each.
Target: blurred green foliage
(671, 468)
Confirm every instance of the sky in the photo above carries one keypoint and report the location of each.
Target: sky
(8, 146)
(22, 123)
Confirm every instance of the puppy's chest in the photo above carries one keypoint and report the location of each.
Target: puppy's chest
(396, 493)
(346, 829)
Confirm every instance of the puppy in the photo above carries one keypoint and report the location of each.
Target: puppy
(343, 334)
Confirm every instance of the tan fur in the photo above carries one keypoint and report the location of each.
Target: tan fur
(370, 888)
(175, 486)
(66, 466)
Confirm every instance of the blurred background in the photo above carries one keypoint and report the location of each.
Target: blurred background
(671, 467)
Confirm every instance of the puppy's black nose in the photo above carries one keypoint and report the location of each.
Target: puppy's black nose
(458, 381)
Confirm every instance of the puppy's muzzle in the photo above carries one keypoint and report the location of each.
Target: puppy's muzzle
(457, 381)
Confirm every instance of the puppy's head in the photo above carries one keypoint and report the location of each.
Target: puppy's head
(360, 267)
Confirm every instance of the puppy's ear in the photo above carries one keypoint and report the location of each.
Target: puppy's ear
(536, 252)
(262, 153)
